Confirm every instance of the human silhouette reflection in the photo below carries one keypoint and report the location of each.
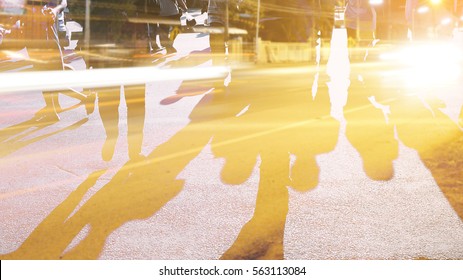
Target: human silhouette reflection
(138, 190)
(422, 126)
(368, 128)
(383, 109)
(281, 122)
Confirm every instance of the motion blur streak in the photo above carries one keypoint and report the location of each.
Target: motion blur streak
(98, 78)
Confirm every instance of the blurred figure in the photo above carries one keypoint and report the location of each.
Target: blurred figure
(216, 13)
(368, 128)
(324, 17)
(282, 141)
(44, 49)
(152, 9)
(217, 19)
(410, 8)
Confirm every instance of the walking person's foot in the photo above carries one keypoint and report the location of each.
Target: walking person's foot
(89, 102)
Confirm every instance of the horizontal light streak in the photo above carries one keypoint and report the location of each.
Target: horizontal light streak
(98, 78)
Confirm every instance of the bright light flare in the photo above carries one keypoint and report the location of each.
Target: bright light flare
(435, 2)
(446, 21)
(422, 10)
(97, 78)
(376, 2)
(425, 66)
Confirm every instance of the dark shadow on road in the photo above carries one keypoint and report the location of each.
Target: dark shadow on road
(52, 234)
(280, 121)
(138, 190)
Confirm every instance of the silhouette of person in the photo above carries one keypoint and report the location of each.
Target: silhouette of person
(323, 17)
(368, 128)
(216, 18)
(384, 109)
(299, 126)
(422, 126)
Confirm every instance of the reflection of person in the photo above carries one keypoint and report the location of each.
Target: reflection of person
(216, 19)
(368, 129)
(138, 191)
(117, 31)
(41, 33)
(410, 9)
(382, 111)
(299, 128)
(437, 140)
(323, 17)
(216, 10)
(152, 10)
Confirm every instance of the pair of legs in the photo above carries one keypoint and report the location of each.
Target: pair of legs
(108, 103)
(153, 32)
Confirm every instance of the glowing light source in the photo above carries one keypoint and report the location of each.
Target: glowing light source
(425, 66)
(422, 10)
(435, 2)
(446, 21)
(376, 2)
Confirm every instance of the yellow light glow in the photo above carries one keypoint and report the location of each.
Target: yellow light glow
(446, 21)
(422, 10)
(425, 66)
(376, 2)
(435, 2)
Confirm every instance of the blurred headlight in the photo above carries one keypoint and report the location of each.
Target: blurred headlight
(426, 65)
